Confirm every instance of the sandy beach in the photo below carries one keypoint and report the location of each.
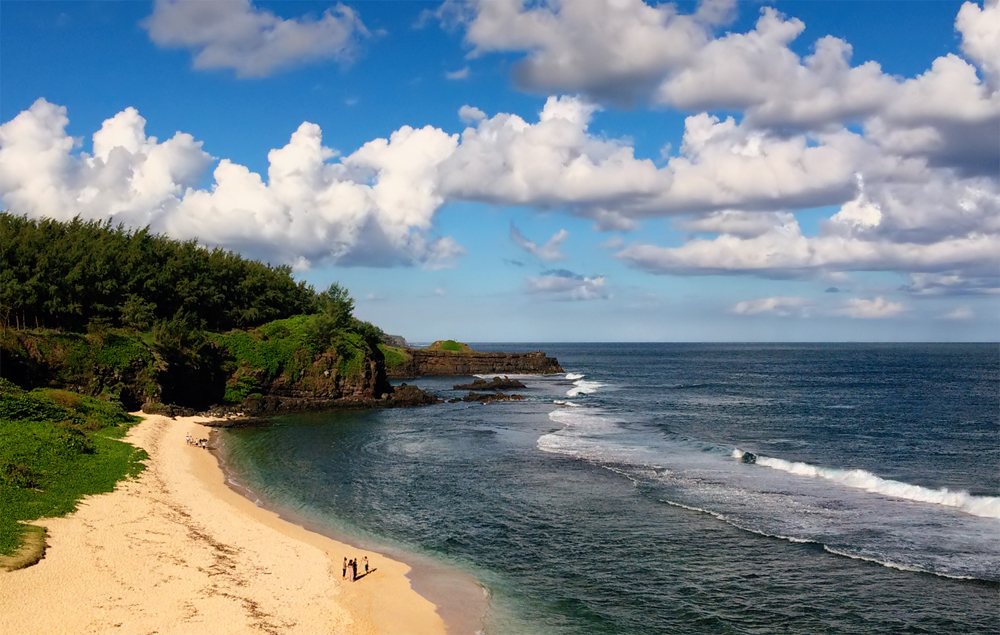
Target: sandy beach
(177, 551)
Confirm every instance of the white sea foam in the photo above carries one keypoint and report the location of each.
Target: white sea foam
(574, 376)
(982, 506)
(581, 387)
(566, 403)
(896, 565)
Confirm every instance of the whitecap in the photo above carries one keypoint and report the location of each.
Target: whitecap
(982, 506)
(581, 387)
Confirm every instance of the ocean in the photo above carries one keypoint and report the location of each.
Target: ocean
(615, 498)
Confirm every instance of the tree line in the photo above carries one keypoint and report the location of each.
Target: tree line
(73, 275)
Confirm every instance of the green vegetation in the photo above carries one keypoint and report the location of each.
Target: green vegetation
(115, 365)
(141, 318)
(67, 275)
(449, 345)
(394, 356)
(284, 351)
(58, 446)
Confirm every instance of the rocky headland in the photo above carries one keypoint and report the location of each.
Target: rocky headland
(422, 362)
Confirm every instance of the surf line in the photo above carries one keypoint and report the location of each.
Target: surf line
(824, 547)
(982, 506)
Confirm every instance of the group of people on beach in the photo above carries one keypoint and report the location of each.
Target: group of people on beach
(350, 571)
(201, 443)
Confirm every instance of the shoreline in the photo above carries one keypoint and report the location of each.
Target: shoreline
(461, 600)
(177, 551)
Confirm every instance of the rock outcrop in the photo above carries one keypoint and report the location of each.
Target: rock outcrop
(428, 363)
(489, 397)
(495, 384)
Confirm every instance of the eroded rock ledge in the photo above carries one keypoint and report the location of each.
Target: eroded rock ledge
(430, 363)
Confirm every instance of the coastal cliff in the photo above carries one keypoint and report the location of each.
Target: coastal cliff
(419, 362)
(254, 373)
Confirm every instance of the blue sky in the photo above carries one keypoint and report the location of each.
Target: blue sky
(578, 171)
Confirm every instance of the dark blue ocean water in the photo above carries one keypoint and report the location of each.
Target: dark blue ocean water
(613, 500)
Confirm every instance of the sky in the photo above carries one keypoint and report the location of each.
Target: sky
(502, 171)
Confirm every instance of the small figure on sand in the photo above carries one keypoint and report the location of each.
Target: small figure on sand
(350, 570)
(343, 572)
(354, 570)
(366, 565)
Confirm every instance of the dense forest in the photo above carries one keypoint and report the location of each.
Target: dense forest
(70, 275)
(139, 318)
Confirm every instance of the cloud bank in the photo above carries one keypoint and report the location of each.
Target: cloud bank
(909, 166)
(374, 207)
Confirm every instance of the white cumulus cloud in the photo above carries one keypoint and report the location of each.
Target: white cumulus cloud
(254, 42)
(372, 207)
(613, 50)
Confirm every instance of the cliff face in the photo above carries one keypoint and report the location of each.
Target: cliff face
(242, 374)
(426, 363)
(121, 366)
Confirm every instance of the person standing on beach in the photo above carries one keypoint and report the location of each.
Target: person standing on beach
(366, 565)
(350, 571)
(354, 570)
(343, 572)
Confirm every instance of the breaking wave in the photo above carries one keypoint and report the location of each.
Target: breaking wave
(581, 387)
(982, 506)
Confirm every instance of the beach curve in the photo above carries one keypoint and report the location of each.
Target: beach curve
(177, 551)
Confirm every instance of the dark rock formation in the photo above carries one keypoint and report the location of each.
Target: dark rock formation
(425, 363)
(486, 398)
(749, 458)
(496, 384)
(394, 340)
(405, 396)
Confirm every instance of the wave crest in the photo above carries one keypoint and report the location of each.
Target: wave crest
(982, 506)
(581, 387)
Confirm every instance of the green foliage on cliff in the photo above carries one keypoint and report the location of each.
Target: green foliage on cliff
(57, 447)
(287, 348)
(450, 345)
(134, 316)
(113, 364)
(66, 275)
(394, 356)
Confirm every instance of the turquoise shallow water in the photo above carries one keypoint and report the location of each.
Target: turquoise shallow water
(610, 500)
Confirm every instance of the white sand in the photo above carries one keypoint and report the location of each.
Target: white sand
(176, 551)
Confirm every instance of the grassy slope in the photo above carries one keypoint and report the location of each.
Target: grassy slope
(57, 447)
(450, 346)
(394, 356)
(283, 347)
